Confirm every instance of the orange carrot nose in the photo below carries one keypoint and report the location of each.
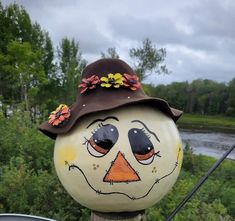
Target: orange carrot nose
(121, 171)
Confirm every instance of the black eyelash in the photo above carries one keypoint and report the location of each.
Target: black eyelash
(94, 130)
(100, 125)
(86, 141)
(151, 132)
(144, 131)
(158, 154)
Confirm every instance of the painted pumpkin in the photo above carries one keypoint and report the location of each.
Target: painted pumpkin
(125, 159)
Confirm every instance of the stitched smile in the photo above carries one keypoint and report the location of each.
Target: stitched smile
(73, 166)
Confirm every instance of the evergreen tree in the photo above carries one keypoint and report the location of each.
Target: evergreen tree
(71, 65)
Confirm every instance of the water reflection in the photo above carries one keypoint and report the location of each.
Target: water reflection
(209, 143)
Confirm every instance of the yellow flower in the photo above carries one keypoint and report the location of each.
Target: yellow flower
(113, 80)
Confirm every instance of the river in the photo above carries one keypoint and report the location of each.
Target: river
(208, 143)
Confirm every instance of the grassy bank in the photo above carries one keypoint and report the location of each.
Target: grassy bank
(207, 122)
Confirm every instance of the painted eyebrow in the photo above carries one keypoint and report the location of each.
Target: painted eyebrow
(151, 132)
(102, 120)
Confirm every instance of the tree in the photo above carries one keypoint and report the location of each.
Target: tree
(111, 53)
(71, 65)
(24, 74)
(231, 98)
(16, 26)
(148, 59)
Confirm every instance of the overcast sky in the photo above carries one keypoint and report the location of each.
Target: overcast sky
(199, 35)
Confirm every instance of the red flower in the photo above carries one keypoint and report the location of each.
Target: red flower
(58, 116)
(131, 81)
(89, 83)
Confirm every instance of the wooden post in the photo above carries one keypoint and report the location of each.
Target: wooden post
(97, 216)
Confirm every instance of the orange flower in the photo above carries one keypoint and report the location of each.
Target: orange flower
(58, 116)
(131, 81)
(89, 83)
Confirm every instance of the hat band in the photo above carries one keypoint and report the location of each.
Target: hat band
(61, 115)
(112, 80)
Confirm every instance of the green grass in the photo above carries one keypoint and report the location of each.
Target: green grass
(216, 122)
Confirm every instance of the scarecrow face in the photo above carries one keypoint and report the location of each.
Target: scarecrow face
(125, 159)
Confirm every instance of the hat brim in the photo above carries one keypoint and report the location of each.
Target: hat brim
(80, 109)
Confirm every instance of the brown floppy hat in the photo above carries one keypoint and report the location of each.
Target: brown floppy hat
(101, 91)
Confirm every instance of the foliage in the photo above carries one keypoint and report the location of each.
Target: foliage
(205, 97)
(34, 192)
(23, 70)
(231, 99)
(26, 56)
(148, 59)
(28, 66)
(111, 53)
(20, 138)
(28, 183)
(71, 65)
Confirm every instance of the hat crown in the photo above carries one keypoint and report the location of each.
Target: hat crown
(106, 84)
(105, 66)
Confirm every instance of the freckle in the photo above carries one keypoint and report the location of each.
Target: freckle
(154, 170)
(97, 165)
(94, 168)
(93, 164)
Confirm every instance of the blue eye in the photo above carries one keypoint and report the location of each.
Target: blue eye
(141, 146)
(102, 140)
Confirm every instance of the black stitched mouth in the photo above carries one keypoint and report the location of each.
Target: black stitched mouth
(73, 166)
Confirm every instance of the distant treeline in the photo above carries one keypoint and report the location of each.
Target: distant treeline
(199, 96)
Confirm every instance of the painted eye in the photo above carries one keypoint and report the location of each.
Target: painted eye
(102, 140)
(141, 146)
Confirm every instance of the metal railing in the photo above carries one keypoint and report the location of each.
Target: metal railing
(22, 217)
(199, 184)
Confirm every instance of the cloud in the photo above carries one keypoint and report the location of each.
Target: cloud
(212, 18)
(198, 34)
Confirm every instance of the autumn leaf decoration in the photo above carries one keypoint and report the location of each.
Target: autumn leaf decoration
(60, 115)
(113, 80)
(131, 81)
(89, 83)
